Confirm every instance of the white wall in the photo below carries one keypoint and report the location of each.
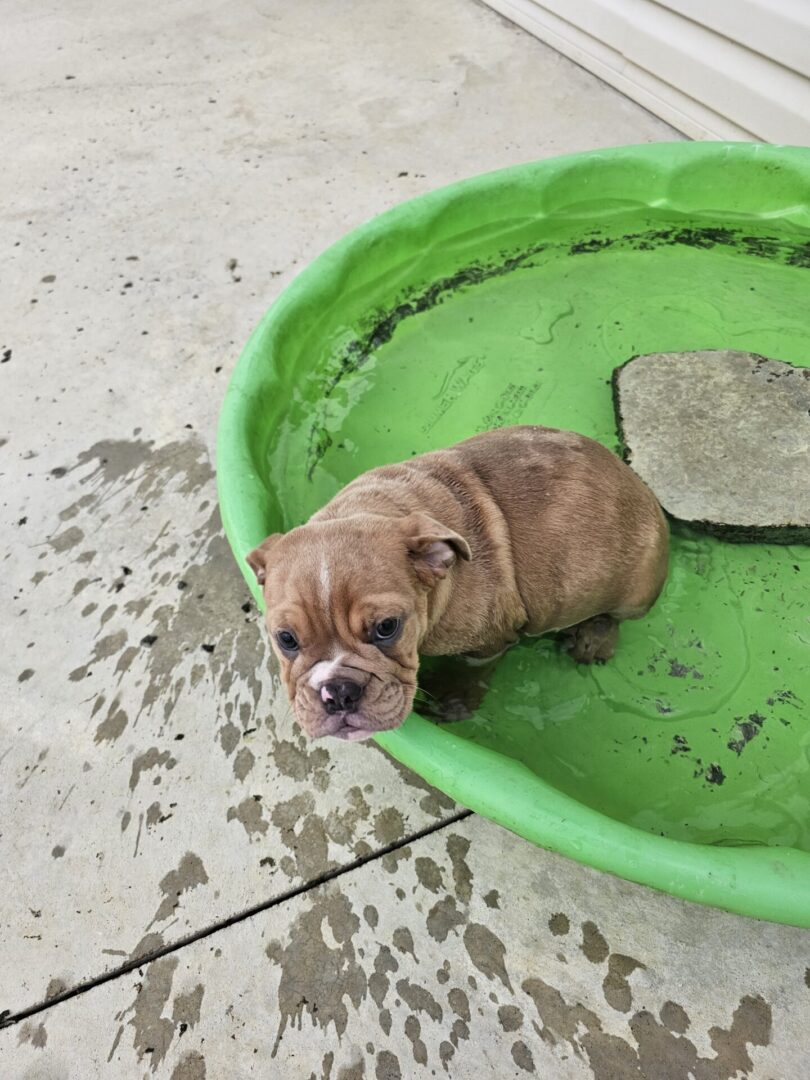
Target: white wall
(714, 69)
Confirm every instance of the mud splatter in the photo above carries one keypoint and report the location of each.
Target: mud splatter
(239, 652)
(674, 1017)
(559, 924)
(658, 1051)
(371, 915)
(387, 1067)
(615, 986)
(302, 832)
(419, 999)
(191, 1066)
(750, 1026)
(389, 826)
(229, 737)
(317, 977)
(243, 763)
(435, 803)
(300, 763)
(593, 944)
(378, 983)
(402, 939)
(341, 825)
(124, 475)
(32, 1033)
(186, 1008)
(559, 1019)
(457, 848)
(487, 952)
(413, 1031)
(446, 1053)
(428, 873)
(391, 860)
(459, 1032)
(66, 540)
(510, 1017)
(148, 944)
(190, 874)
(443, 917)
(459, 1003)
(104, 648)
(522, 1056)
(55, 987)
(150, 759)
(153, 1032)
(112, 727)
(250, 815)
(113, 460)
(30, 770)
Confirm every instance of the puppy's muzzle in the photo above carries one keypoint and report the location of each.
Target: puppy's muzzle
(349, 702)
(340, 695)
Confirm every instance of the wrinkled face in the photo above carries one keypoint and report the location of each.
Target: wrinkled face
(347, 605)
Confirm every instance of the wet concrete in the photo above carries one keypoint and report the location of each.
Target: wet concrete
(168, 170)
(355, 979)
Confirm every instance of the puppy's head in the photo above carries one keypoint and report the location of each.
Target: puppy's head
(347, 606)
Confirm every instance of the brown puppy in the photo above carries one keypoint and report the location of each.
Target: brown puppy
(522, 530)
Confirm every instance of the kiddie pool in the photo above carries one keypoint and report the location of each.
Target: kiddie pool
(684, 763)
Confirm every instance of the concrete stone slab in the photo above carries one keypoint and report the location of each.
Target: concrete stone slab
(168, 168)
(467, 954)
(723, 439)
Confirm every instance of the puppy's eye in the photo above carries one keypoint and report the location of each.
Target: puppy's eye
(385, 631)
(287, 641)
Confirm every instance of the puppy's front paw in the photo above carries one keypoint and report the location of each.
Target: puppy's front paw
(446, 710)
(593, 641)
(452, 709)
(451, 689)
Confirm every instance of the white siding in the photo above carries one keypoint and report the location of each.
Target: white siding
(728, 69)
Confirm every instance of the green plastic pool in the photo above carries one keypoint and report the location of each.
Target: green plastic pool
(684, 763)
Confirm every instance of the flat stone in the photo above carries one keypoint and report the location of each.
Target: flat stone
(723, 439)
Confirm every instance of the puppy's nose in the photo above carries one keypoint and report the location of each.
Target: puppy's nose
(340, 695)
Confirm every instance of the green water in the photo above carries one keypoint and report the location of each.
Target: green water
(644, 739)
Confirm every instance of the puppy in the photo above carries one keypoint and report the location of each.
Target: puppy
(521, 530)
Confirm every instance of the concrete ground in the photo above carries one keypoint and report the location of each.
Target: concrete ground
(189, 889)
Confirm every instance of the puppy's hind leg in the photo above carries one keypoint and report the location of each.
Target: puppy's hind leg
(592, 641)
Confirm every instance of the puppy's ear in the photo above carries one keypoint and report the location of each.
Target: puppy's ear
(433, 547)
(257, 559)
